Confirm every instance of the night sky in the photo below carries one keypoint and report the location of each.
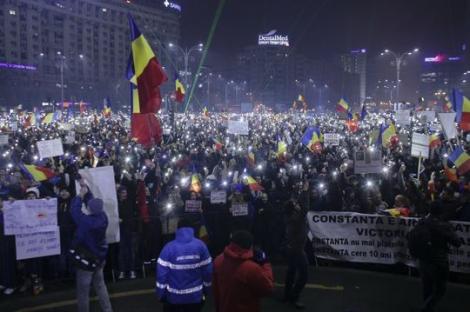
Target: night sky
(318, 28)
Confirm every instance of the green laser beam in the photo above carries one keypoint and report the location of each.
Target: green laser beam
(215, 22)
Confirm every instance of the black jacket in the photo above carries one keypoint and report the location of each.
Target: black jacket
(442, 235)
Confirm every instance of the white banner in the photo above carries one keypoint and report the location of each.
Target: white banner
(448, 125)
(420, 145)
(218, 197)
(368, 162)
(402, 117)
(239, 210)
(30, 216)
(36, 245)
(331, 139)
(50, 148)
(101, 183)
(193, 206)
(3, 139)
(354, 237)
(238, 127)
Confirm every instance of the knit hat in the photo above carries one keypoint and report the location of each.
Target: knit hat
(95, 205)
(33, 190)
(242, 239)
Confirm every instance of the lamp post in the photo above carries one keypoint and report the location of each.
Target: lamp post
(186, 54)
(399, 59)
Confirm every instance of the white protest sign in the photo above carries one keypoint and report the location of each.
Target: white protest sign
(166, 131)
(218, 197)
(368, 162)
(3, 139)
(402, 117)
(420, 145)
(331, 139)
(50, 148)
(238, 127)
(70, 138)
(30, 216)
(66, 126)
(36, 245)
(193, 206)
(428, 115)
(14, 126)
(239, 210)
(354, 237)
(448, 125)
(101, 183)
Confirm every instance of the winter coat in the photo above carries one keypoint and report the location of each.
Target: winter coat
(239, 282)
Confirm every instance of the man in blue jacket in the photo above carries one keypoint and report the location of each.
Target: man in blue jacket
(184, 271)
(90, 237)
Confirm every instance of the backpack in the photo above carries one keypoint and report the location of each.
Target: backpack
(420, 240)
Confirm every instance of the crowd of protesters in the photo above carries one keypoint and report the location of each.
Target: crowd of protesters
(196, 157)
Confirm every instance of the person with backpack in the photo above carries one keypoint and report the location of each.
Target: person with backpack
(429, 242)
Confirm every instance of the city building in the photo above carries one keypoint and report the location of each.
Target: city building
(78, 47)
(354, 66)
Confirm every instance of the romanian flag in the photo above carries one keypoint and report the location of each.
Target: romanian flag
(146, 75)
(461, 160)
(252, 184)
(107, 107)
(388, 134)
(363, 112)
(37, 173)
(447, 107)
(281, 150)
(30, 120)
(48, 119)
(205, 112)
(342, 106)
(251, 159)
(451, 174)
(195, 184)
(179, 90)
(217, 144)
(311, 139)
(434, 141)
(462, 108)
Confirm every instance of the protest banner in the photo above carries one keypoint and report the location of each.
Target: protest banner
(420, 145)
(368, 161)
(354, 237)
(101, 183)
(402, 117)
(3, 139)
(239, 210)
(218, 197)
(34, 245)
(50, 148)
(447, 121)
(193, 206)
(238, 127)
(331, 139)
(30, 216)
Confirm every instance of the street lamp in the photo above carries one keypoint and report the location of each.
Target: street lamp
(399, 58)
(186, 54)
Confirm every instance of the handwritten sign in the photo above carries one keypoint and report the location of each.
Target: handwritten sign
(14, 126)
(50, 148)
(402, 117)
(368, 162)
(3, 139)
(239, 210)
(218, 197)
(193, 206)
(30, 216)
(70, 138)
(420, 145)
(238, 127)
(331, 139)
(36, 245)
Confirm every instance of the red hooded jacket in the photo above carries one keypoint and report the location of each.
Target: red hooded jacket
(239, 282)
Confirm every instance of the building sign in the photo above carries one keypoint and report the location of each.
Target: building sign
(272, 39)
(17, 66)
(441, 58)
(172, 5)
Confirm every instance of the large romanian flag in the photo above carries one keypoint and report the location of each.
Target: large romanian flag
(252, 184)
(387, 135)
(342, 106)
(462, 108)
(37, 173)
(461, 160)
(195, 184)
(311, 139)
(146, 75)
(179, 90)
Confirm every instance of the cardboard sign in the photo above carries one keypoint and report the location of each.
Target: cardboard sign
(30, 216)
(239, 210)
(420, 145)
(3, 139)
(36, 245)
(193, 206)
(331, 139)
(402, 117)
(50, 148)
(368, 162)
(218, 197)
(238, 127)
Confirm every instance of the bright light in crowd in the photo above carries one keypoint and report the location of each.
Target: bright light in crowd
(169, 206)
(369, 183)
(307, 159)
(128, 159)
(35, 157)
(446, 155)
(371, 148)
(321, 186)
(224, 183)
(385, 169)
(207, 185)
(259, 167)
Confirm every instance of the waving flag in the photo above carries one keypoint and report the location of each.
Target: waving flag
(461, 160)
(342, 106)
(462, 108)
(37, 173)
(217, 144)
(311, 139)
(363, 112)
(205, 112)
(107, 107)
(250, 158)
(195, 184)
(146, 75)
(252, 184)
(281, 150)
(434, 141)
(179, 90)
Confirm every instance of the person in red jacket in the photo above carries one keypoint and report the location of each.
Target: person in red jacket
(242, 276)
